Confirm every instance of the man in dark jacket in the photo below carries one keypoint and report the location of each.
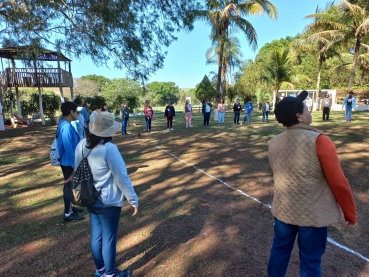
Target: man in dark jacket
(170, 113)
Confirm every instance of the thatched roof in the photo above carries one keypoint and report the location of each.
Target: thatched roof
(23, 53)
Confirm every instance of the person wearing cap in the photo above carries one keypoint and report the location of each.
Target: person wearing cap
(249, 107)
(265, 108)
(311, 191)
(349, 103)
(326, 106)
(112, 181)
(81, 119)
(237, 109)
(67, 140)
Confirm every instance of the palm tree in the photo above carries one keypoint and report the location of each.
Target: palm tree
(348, 24)
(226, 16)
(232, 57)
(319, 42)
(278, 70)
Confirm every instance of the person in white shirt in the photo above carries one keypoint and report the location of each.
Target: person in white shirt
(265, 108)
(326, 106)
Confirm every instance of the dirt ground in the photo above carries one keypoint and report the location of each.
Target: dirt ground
(204, 196)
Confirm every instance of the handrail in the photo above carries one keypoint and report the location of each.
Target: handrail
(46, 77)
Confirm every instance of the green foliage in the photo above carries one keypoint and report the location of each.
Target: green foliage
(97, 101)
(205, 90)
(131, 33)
(163, 92)
(120, 90)
(50, 103)
(101, 81)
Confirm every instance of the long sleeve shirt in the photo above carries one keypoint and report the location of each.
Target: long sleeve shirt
(67, 142)
(109, 173)
(339, 184)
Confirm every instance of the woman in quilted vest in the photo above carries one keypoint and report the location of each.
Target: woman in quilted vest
(310, 189)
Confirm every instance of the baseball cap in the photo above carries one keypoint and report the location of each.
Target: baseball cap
(285, 110)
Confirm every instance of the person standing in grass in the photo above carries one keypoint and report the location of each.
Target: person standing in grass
(248, 110)
(188, 114)
(67, 140)
(124, 116)
(85, 112)
(221, 111)
(326, 106)
(310, 189)
(112, 182)
(349, 103)
(206, 110)
(237, 109)
(149, 114)
(169, 113)
(265, 108)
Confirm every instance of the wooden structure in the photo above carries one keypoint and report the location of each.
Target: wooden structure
(13, 78)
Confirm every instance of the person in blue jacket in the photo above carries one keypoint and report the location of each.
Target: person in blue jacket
(68, 139)
(349, 103)
(248, 110)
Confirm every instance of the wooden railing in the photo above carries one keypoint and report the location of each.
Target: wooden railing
(46, 77)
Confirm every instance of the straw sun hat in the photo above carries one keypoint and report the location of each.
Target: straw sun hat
(104, 125)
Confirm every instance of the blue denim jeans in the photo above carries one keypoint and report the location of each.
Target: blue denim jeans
(348, 112)
(265, 116)
(236, 117)
(311, 242)
(104, 228)
(247, 117)
(148, 124)
(221, 117)
(124, 126)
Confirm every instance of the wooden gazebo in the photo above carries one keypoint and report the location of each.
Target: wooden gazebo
(13, 78)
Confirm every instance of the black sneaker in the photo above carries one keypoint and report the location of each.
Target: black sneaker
(72, 217)
(77, 210)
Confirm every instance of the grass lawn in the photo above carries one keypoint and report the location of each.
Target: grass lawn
(204, 194)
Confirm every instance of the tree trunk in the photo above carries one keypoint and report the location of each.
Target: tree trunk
(319, 74)
(354, 63)
(220, 65)
(38, 83)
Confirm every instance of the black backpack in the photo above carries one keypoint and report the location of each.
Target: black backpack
(83, 192)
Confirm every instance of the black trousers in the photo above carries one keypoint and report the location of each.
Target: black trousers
(67, 172)
(326, 113)
(206, 119)
(169, 122)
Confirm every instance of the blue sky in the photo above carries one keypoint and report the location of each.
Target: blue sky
(185, 63)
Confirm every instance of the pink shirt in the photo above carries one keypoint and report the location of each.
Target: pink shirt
(221, 108)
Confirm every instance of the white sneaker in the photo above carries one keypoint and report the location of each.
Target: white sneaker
(191, 126)
(171, 129)
(168, 129)
(186, 127)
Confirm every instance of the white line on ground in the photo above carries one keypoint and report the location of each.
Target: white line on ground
(253, 198)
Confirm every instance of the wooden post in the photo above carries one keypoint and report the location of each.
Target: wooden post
(39, 93)
(60, 82)
(71, 88)
(15, 83)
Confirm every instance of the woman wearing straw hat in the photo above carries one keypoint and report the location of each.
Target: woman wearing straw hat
(112, 181)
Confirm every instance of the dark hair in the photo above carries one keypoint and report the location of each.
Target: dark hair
(77, 101)
(292, 120)
(67, 107)
(102, 107)
(351, 92)
(86, 102)
(93, 140)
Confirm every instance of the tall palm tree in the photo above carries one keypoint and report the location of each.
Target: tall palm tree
(278, 70)
(348, 24)
(225, 16)
(232, 58)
